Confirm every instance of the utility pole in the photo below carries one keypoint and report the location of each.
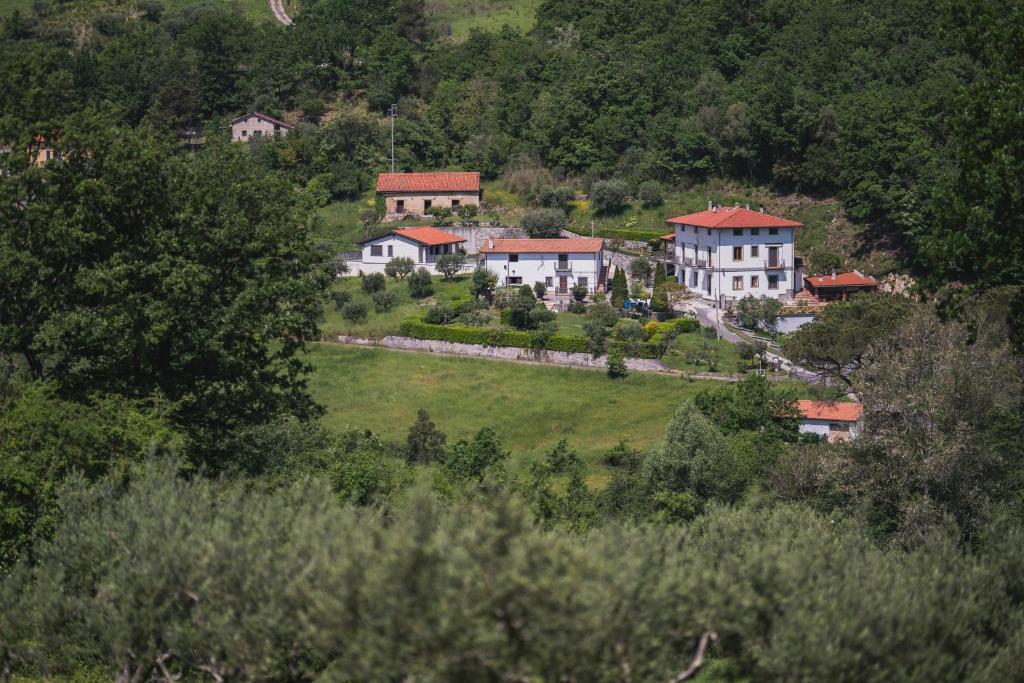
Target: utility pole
(393, 112)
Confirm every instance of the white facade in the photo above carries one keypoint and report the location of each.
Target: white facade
(830, 430)
(735, 262)
(257, 125)
(376, 253)
(559, 271)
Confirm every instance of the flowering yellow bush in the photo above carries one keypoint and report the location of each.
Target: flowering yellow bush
(649, 329)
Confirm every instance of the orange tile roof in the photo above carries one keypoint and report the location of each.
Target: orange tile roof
(468, 181)
(854, 279)
(574, 245)
(432, 237)
(669, 237)
(836, 411)
(733, 217)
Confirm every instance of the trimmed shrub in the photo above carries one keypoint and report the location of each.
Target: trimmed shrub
(418, 329)
(608, 196)
(650, 194)
(544, 222)
(616, 364)
(540, 289)
(373, 282)
(687, 325)
(340, 298)
(400, 266)
(384, 301)
(354, 312)
(420, 284)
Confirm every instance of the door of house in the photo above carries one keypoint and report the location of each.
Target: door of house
(773, 257)
(563, 285)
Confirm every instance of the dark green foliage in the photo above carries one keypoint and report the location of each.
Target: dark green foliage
(44, 440)
(442, 214)
(752, 404)
(608, 197)
(579, 293)
(544, 222)
(425, 443)
(836, 342)
(620, 288)
(758, 313)
(340, 298)
(659, 273)
(483, 456)
(539, 289)
(130, 270)
(616, 363)
(450, 265)
(399, 267)
(484, 282)
(420, 284)
(650, 194)
(354, 312)
(373, 282)
(384, 300)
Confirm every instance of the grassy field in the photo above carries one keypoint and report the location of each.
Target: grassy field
(690, 352)
(340, 224)
(530, 406)
(383, 324)
(458, 17)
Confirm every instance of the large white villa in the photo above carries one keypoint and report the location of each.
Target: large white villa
(423, 245)
(726, 253)
(560, 264)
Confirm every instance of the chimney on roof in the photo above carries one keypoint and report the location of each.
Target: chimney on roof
(761, 209)
(748, 206)
(714, 208)
(833, 273)
(711, 205)
(490, 243)
(736, 205)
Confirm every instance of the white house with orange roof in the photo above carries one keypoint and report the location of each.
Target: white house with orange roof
(424, 245)
(560, 264)
(413, 194)
(727, 253)
(830, 420)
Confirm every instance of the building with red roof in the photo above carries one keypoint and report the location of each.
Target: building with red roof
(423, 245)
(839, 286)
(257, 125)
(414, 194)
(830, 420)
(725, 253)
(560, 264)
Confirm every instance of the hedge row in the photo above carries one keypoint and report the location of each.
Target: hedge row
(622, 234)
(486, 336)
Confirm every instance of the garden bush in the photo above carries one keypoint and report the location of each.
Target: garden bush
(418, 329)
(608, 197)
(373, 282)
(420, 284)
(354, 312)
(544, 222)
(650, 194)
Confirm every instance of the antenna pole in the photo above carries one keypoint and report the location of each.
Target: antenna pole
(392, 112)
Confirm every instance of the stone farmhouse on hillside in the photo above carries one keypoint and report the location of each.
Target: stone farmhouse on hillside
(830, 420)
(413, 194)
(256, 125)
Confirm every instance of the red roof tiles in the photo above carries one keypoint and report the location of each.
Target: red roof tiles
(669, 237)
(853, 279)
(575, 245)
(467, 181)
(835, 411)
(432, 237)
(733, 217)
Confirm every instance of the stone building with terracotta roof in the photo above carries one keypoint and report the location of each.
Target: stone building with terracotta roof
(830, 420)
(256, 125)
(413, 194)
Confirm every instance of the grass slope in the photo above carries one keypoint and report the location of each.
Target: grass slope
(458, 17)
(530, 406)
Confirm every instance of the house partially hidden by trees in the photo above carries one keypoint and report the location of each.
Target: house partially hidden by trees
(839, 286)
(560, 264)
(727, 253)
(414, 194)
(256, 125)
(422, 245)
(830, 420)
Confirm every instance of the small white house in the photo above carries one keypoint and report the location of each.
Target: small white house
(257, 125)
(560, 264)
(830, 420)
(423, 245)
(726, 253)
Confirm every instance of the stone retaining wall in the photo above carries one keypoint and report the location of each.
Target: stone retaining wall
(503, 353)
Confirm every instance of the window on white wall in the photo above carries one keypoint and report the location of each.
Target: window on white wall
(753, 250)
(549, 282)
(515, 280)
(391, 250)
(738, 232)
(773, 231)
(737, 253)
(755, 281)
(513, 258)
(737, 283)
(755, 231)
(773, 282)
(376, 250)
(582, 281)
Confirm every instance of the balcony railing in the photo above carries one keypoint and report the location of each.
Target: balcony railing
(775, 264)
(563, 266)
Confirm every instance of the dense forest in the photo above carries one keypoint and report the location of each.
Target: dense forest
(172, 509)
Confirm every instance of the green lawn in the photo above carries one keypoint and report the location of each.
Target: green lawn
(382, 324)
(690, 352)
(530, 406)
(339, 222)
(462, 16)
